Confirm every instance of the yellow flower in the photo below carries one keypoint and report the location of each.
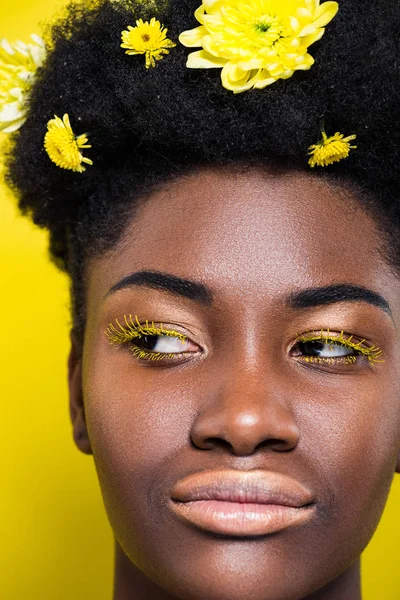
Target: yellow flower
(147, 38)
(330, 149)
(63, 146)
(258, 42)
(18, 65)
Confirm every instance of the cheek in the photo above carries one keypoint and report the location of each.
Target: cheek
(138, 422)
(358, 442)
(136, 428)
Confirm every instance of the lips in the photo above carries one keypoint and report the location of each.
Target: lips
(241, 503)
(258, 486)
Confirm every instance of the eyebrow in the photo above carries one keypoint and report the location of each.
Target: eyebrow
(298, 300)
(194, 290)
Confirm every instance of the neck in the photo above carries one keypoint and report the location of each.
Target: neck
(131, 584)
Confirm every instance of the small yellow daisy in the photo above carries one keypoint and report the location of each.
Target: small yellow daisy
(62, 145)
(149, 38)
(330, 149)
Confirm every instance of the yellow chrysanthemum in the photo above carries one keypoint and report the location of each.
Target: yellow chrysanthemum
(18, 65)
(63, 146)
(149, 38)
(330, 149)
(258, 42)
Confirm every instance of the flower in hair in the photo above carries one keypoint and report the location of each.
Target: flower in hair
(330, 149)
(258, 42)
(18, 65)
(149, 38)
(63, 146)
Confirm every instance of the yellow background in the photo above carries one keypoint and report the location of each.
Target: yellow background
(56, 543)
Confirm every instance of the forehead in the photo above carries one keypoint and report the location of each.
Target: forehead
(250, 230)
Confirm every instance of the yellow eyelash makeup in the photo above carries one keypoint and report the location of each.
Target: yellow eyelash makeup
(370, 352)
(133, 330)
(125, 334)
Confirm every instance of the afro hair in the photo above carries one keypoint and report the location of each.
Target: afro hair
(147, 126)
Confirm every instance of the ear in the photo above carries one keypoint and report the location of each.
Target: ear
(76, 405)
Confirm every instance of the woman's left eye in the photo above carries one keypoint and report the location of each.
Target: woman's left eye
(325, 349)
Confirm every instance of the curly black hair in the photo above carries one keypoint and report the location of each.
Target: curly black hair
(148, 126)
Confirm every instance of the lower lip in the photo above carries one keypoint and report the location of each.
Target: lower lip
(241, 519)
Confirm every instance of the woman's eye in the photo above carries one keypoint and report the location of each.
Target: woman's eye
(162, 343)
(325, 349)
(149, 341)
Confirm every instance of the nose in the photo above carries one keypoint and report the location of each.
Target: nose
(249, 411)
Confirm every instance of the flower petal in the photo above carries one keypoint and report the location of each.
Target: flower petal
(38, 40)
(254, 63)
(38, 55)
(325, 13)
(22, 48)
(17, 93)
(305, 62)
(11, 128)
(235, 79)
(304, 13)
(212, 5)
(264, 79)
(193, 37)
(11, 111)
(313, 37)
(199, 14)
(323, 16)
(287, 74)
(7, 46)
(203, 60)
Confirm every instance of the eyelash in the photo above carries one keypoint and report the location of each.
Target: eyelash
(125, 335)
(371, 352)
(132, 331)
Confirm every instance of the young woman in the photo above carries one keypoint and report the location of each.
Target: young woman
(221, 184)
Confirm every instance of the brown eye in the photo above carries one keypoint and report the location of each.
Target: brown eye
(161, 343)
(324, 349)
(149, 341)
(320, 347)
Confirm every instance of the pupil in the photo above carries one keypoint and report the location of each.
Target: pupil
(314, 348)
(148, 341)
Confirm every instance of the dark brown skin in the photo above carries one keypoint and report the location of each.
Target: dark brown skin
(243, 401)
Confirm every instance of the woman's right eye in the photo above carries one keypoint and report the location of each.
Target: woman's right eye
(150, 342)
(163, 344)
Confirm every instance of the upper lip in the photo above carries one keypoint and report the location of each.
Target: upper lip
(256, 486)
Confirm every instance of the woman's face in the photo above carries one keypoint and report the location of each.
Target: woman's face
(242, 397)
